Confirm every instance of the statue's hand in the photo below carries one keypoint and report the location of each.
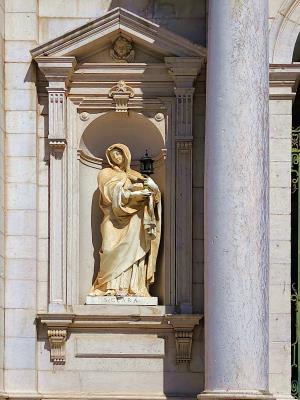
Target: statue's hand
(140, 195)
(151, 184)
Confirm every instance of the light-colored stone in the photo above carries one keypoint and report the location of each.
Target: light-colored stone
(20, 294)
(21, 169)
(280, 273)
(80, 381)
(49, 28)
(20, 100)
(280, 358)
(19, 76)
(43, 198)
(280, 327)
(20, 121)
(20, 323)
(281, 107)
(24, 269)
(13, 377)
(21, 222)
(24, 348)
(280, 202)
(42, 298)
(20, 6)
(119, 345)
(21, 145)
(280, 124)
(21, 196)
(280, 174)
(21, 247)
(43, 250)
(148, 301)
(280, 149)
(73, 8)
(280, 300)
(20, 26)
(43, 227)
(280, 251)
(280, 383)
(280, 227)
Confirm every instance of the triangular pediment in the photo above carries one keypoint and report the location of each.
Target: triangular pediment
(91, 42)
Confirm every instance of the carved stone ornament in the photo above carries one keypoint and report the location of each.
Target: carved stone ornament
(183, 329)
(57, 338)
(122, 50)
(121, 93)
(84, 116)
(159, 117)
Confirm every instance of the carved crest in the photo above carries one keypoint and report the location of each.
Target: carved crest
(122, 50)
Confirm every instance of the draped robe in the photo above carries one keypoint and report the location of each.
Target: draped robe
(130, 231)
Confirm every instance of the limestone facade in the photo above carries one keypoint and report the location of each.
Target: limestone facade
(96, 357)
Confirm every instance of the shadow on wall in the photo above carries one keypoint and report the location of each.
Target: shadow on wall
(96, 219)
(186, 18)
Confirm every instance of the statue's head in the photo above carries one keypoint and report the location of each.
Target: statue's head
(119, 155)
(122, 47)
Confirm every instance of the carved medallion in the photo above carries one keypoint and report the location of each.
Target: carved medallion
(84, 116)
(122, 50)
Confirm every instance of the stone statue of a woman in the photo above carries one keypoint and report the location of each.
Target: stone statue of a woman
(130, 229)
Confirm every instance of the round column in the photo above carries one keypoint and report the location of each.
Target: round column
(236, 201)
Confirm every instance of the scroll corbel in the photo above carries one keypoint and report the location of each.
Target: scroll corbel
(57, 339)
(183, 326)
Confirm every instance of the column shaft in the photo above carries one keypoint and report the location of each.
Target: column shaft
(236, 199)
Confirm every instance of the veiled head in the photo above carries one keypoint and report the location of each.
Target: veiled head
(119, 155)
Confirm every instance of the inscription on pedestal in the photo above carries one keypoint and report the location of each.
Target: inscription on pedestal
(137, 301)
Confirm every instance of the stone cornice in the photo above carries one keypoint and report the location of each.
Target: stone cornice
(117, 318)
(284, 80)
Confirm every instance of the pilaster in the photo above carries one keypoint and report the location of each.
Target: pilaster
(57, 142)
(58, 72)
(184, 71)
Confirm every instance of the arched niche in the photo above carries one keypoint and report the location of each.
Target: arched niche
(139, 133)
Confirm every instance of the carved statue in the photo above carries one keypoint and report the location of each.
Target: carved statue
(122, 50)
(131, 227)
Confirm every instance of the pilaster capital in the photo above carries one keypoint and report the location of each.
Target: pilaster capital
(184, 70)
(57, 69)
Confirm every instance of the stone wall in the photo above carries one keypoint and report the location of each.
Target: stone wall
(28, 23)
(2, 134)
(21, 196)
(280, 245)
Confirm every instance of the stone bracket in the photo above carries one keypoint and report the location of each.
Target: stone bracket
(57, 329)
(57, 338)
(60, 325)
(183, 326)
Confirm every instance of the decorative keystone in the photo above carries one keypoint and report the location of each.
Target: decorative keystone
(57, 338)
(121, 93)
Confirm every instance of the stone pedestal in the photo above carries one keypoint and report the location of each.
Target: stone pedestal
(236, 202)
